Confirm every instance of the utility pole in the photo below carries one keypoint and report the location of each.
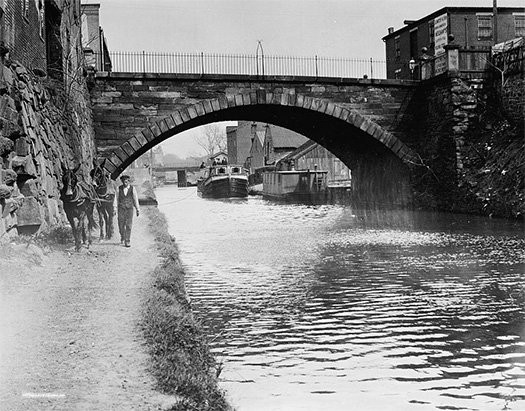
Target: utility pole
(495, 19)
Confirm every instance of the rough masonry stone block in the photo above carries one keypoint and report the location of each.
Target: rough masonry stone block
(29, 213)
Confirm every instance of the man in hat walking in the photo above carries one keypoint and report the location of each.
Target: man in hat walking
(127, 199)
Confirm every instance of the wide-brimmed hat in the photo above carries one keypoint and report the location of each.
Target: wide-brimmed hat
(125, 177)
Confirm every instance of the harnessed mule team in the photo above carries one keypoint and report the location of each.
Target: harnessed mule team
(80, 199)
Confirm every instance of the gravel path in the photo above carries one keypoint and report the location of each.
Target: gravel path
(69, 338)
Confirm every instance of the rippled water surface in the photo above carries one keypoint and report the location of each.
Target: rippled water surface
(329, 308)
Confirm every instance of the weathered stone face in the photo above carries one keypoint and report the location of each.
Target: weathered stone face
(132, 112)
(41, 134)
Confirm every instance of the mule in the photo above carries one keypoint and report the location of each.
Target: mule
(79, 201)
(105, 190)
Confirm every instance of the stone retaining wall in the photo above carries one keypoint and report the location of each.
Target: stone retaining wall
(45, 125)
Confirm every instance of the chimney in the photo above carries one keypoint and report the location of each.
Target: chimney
(390, 30)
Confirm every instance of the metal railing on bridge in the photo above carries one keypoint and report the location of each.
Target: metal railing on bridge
(245, 64)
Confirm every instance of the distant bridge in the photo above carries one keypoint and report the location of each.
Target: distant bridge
(162, 169)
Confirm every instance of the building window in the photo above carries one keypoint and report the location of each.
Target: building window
(484, 26)
(431, 32)
(519, 24)
(413, 44)
(397, 48)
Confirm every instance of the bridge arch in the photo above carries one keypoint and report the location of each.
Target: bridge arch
(285, 109)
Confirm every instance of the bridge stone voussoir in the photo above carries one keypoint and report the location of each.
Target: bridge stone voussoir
(330, 109)
(372, 129)
(387, 139)
(109, 166)
(307, 102)
(253, 97)
(246, 101)
(199, 109)
(230, 100)
(337, 111)
(397, 147)
(207, 106)
(276, 99)
(261, 96)
(299, 101)
(192, 111)
(315, 104)
(185, 115)
(169, 122)
(365, 125)
(351, 117)
(128, 149)
(292, 99)
(155, 130)
(238, 100)
(115, 160)
(323, 105)
(215, 104)
(162, 125)
(133, 142)
(358, 120)
(148, 134)
(284, 99)
(141, 139)
(177, 118)
(378, 132)
(344, 114)
(269, 98)
(121, 154)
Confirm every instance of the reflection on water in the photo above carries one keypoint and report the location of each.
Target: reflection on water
(322, 307)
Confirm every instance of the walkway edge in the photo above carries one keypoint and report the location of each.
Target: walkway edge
(181, 359)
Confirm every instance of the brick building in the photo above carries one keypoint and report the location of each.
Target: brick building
(239, 140)
(472, 28)
(42, 35)
(93, 39)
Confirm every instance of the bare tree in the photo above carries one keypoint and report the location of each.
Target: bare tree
(213, 139)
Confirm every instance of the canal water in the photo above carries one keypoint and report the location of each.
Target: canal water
(329, 308)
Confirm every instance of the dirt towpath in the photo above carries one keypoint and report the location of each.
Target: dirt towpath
(69, 336)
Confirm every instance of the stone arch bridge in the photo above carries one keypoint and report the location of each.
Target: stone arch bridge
(363, 122)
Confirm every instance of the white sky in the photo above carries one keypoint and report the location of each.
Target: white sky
(331, 28)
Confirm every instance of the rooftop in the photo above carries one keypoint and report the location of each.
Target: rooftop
(414, 23)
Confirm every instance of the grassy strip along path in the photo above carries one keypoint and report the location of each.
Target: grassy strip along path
(181, 359)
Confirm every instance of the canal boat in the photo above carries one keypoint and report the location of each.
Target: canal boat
(296, 185)
(223, 181)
